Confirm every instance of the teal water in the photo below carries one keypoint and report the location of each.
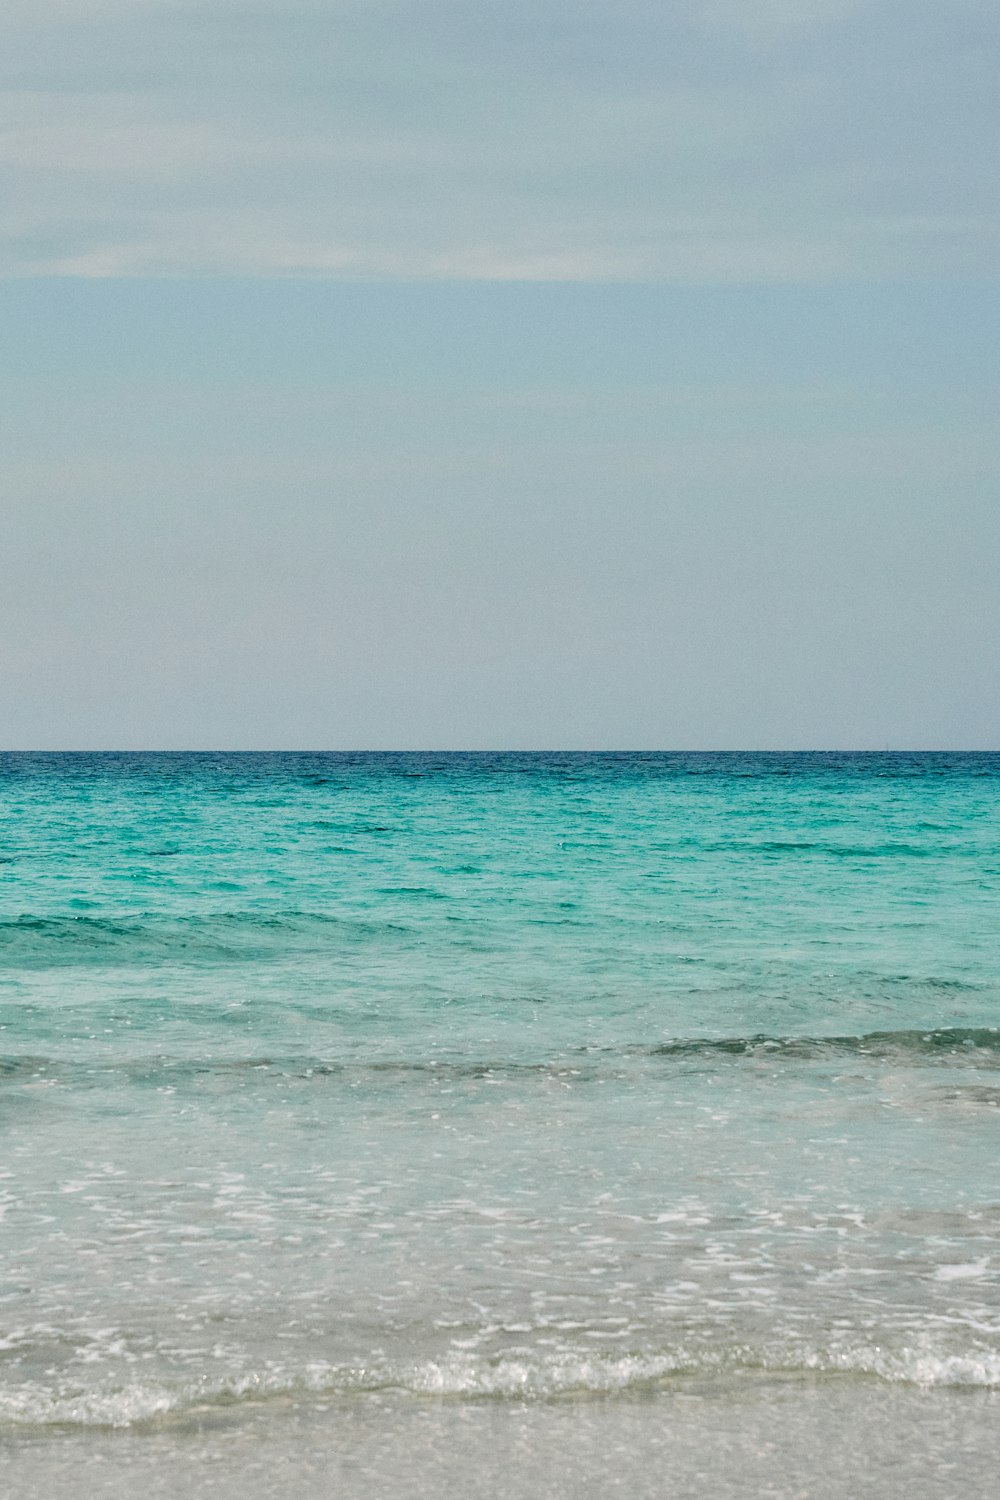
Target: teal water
(493, 1076)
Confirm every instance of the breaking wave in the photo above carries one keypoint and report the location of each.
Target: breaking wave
(508, 1377)
(976, 1047)
(917, 1045)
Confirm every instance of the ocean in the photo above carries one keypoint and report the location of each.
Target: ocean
(499, 1124)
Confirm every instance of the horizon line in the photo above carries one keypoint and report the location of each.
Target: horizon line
(505, 750)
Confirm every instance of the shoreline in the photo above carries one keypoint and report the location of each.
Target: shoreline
(827, 1438)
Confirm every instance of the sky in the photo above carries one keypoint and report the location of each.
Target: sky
(441, 374)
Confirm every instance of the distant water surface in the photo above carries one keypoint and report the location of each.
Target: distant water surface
(329, 1080)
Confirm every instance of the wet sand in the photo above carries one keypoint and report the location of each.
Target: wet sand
(762, 1439)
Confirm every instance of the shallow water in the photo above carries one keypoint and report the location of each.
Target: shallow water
(611, 1100)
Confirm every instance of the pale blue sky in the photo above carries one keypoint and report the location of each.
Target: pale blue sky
(699, 140)
(443, 374)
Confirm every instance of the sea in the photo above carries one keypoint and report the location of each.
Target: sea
(512, 1125)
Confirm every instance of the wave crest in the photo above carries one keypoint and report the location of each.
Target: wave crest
(511, 1376)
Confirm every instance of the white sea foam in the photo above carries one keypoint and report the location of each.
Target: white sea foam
(514, 1376)
(918, 1364)
(965, 1272)
(33, 1404)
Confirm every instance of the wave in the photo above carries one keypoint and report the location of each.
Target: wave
(977, 1047)
(159, 1068)
(52, 942)
(508, 1377)
(979, 1043)
(935, 848)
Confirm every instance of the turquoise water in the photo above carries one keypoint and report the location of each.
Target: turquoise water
(332, 1078)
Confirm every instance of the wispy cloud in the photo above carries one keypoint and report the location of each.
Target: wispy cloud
(598, 140)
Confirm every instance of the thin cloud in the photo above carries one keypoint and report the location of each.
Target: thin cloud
(810, 141)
